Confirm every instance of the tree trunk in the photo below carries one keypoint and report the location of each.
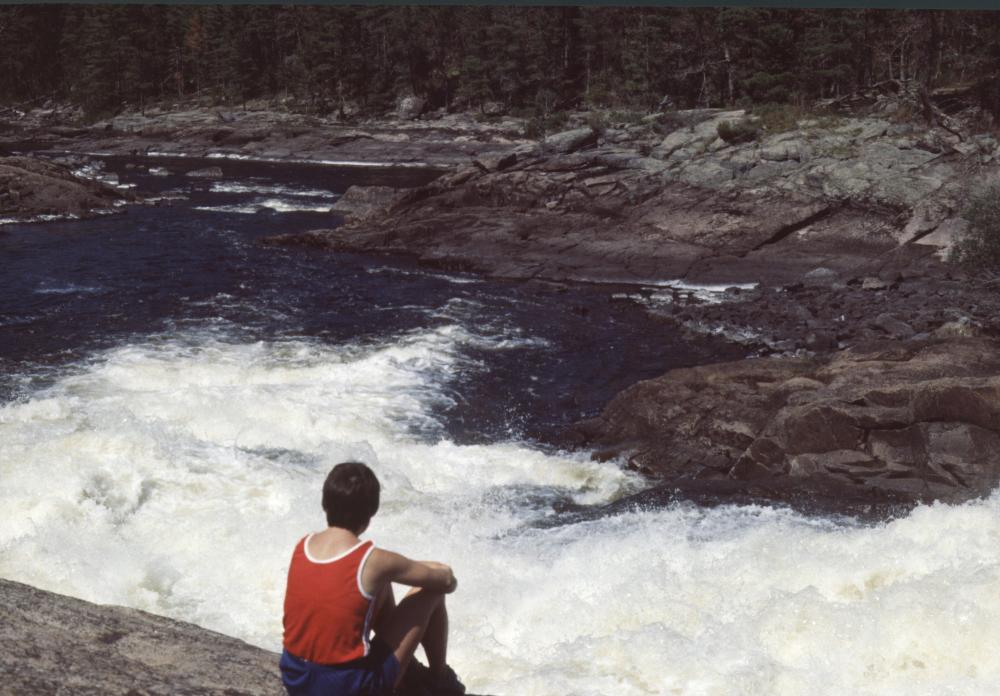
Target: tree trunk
(729, 72)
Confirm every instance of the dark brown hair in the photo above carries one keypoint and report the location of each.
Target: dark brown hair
(350, 496)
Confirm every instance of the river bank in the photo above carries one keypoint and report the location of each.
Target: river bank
(819, 236)
(37, 189)
(265, 134)
(832, 237)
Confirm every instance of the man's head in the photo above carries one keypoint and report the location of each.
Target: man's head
(350, 496)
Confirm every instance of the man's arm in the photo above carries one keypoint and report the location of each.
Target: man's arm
(387, 566)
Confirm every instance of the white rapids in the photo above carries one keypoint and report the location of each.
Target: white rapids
(175, 475)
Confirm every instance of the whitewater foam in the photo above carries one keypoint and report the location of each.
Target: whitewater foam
(69, 289)
(116, 209)
(274, 189)
(362, 164)
(277, 205)
(175, 475)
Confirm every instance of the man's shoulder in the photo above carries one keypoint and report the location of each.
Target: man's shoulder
(381, 559)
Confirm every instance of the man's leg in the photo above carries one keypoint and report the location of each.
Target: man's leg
(419, 619)
(435, 640)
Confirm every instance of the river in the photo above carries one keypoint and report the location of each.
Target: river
(173, 393)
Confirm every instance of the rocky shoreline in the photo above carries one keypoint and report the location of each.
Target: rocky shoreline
(32, 189)
(831, 233)
(837, 235)
(857, 197)
(265, 134)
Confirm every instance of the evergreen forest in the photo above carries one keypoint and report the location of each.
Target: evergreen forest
(327, 58)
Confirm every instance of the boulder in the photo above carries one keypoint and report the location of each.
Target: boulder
(962, 327)
(495, 163)
(494, 108)
(872, 283)
(893, 326)
(821, 276)
(917, 421)
(362, 202)
(410, 107)
(945, 236)
(700, 130)
(571, 140)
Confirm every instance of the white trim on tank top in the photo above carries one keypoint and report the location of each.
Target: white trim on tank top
(305, 548)
(361, 567)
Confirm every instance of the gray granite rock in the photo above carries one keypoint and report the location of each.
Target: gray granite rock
(571, 140)
(56, 645)
(362, 202)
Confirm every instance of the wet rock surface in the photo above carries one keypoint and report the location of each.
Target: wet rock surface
(30, 187)
(888, 421)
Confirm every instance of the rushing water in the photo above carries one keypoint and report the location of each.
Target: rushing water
(174, 393)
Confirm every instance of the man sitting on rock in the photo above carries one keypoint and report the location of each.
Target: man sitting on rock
(339, 589)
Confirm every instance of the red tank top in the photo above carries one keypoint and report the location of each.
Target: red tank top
(327, 612)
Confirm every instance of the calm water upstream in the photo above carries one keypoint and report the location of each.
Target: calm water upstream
(172, 393)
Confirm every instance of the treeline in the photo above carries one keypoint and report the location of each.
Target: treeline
(328, 58)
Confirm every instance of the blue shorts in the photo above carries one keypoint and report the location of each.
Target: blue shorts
(373, 675)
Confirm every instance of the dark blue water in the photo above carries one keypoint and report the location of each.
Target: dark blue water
(71, 289)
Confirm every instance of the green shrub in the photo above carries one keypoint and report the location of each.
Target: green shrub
(533, 129)
(742, 131)
(667, 122)
(487, 118)
(776, 118)
(540, 126)
(980, 247)
(629, 118)
(597, 121)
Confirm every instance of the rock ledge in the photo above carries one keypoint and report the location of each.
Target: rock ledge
(52, 644)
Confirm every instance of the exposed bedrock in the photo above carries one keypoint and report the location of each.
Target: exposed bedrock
(819, 316)
(52, 644)
(30, 187)
(887, 420)
(852, 196)
(269, 134)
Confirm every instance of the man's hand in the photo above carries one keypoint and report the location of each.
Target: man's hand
(452, 581)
